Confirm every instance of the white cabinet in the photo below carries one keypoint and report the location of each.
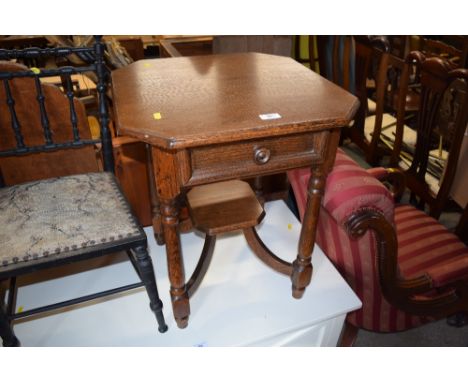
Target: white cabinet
(241, 302)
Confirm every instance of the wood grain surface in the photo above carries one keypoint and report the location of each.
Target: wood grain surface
(214, 99)
(224, 207)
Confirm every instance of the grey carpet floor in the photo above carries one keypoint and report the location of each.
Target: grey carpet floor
(434, 334)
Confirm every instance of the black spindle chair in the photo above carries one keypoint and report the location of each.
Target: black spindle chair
(68, 210)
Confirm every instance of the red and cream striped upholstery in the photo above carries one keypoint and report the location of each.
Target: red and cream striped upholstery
(423, 244)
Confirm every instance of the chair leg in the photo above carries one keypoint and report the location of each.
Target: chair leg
(458, 319)
(348, 335)
(134, 263)
(146, 273)
(6, 332)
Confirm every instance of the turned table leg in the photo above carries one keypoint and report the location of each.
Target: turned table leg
(302, 266)
(178, 290)
(167, 187)
(155, 207)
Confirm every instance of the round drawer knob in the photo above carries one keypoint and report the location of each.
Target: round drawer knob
(261, 155)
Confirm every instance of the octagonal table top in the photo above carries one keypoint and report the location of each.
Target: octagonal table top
(194, 101)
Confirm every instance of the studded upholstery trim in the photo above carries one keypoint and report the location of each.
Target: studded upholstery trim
(56, 217)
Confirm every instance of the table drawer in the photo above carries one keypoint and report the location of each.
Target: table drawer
(256, 157)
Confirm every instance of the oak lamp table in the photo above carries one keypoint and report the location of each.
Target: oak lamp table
(213, 120)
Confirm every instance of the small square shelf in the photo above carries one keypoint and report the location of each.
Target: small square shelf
(224, 206)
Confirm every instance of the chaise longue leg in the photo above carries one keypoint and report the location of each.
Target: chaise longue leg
(458, 319)
(348, 335)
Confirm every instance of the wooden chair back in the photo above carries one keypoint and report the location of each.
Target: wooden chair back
(355, 61)
(462, 227)
(399, 45)
(453, 48)
(441, 123)
(134, 47)
(318, 54)
(45, 132)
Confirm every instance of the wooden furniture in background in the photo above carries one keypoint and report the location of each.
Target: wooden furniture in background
(441, 125)
(391, 112)
(452, 48)
(186, 46)
(21, 42)
(462, 226)
(133, 46)
(40, 165)
(298, 42)
(351, 62)
(318, 54)
(131, 169)
(220, 117)
(280, 45)
(458, 191)
(400, 45)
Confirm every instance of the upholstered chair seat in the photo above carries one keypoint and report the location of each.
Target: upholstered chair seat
(426, 246)
(61, 217)
(371, 106)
